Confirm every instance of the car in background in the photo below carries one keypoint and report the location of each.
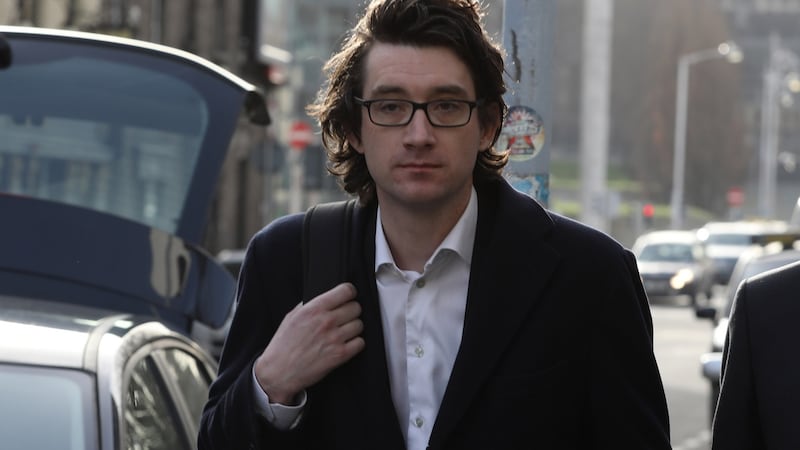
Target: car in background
(110, 150)
(74, 377)
(673, 263)
(753, 261)
(725, 241)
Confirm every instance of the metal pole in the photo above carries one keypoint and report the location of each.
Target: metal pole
(296, 174)
(769, 133)
(724, 50)
(528, 41)
(595, 94)
(679, 156)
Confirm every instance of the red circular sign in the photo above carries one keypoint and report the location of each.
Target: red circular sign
(735, 197)
(300, 135)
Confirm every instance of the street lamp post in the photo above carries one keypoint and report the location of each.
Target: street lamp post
(726, 50)
(779, 78)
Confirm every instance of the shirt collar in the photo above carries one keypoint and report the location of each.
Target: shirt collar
(460, 240)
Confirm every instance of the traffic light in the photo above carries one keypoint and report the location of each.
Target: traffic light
(648, 211)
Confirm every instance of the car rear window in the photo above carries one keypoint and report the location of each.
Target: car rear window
(84, 125)
(667, 252)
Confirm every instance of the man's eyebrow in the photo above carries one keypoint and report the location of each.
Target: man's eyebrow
(388, 90)
(449, 89)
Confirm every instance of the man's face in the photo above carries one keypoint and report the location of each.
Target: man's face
(419, 165)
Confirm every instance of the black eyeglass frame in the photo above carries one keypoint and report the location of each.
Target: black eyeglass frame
(415, 106)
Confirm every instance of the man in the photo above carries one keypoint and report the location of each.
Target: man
(474, 318)
(760, 371)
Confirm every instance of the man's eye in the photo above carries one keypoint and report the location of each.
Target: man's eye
(447, 106)
(388, 107)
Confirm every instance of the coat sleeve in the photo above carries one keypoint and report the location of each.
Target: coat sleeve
(736, 424)
(268, 287)
(620, 398)
(628, 405)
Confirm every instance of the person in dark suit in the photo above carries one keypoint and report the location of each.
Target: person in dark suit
(760, 370)
(473, 317)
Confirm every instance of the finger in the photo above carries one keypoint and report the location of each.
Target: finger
(334, 297)
(346, 312)
(353, 347)
(350, 330)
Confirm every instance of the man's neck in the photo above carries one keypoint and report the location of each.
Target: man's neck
(413, 236)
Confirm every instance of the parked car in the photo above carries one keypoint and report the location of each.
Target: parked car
(111, 312)
(753, 261)
(725, 241)
(672, 263)
(74, 377)
(110, 150)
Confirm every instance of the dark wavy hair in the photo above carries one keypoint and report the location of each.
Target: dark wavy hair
(453, 24)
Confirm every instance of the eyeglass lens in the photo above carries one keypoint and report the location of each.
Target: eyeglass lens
(439, 112)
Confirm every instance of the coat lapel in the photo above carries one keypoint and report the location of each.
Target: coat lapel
(367, 376)
(510, 257)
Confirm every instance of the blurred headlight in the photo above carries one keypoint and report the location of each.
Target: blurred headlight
(681, 279)
(719, 334)
(711, 364)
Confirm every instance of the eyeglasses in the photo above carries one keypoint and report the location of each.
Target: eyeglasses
(398, 113)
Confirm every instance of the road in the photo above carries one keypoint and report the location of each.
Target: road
(679, 340)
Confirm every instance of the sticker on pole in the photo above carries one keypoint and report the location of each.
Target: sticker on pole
(536, 185)
(522, 134)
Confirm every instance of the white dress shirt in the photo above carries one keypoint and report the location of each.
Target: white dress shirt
(423, 319)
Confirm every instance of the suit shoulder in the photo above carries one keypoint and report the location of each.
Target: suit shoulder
(280, 228)
(773, 287)
(521, 214)
(788, 275)
(580, 236)
(279, 237)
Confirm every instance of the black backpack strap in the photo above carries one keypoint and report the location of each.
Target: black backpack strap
(326, 246)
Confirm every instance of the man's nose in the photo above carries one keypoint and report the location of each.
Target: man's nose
(419, 130)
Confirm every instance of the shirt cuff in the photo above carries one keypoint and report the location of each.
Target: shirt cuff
(280, 416)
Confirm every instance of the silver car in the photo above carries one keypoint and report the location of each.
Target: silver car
(725, 241)
(673, 263)
(110, 150)
(81, 378)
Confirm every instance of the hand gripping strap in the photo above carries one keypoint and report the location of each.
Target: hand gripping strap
(326, 246)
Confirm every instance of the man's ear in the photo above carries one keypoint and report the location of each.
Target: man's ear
(354, 142)
(492, 128)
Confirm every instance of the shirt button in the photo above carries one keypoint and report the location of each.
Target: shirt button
(421, 283)
(419, 351)
(418, 422)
